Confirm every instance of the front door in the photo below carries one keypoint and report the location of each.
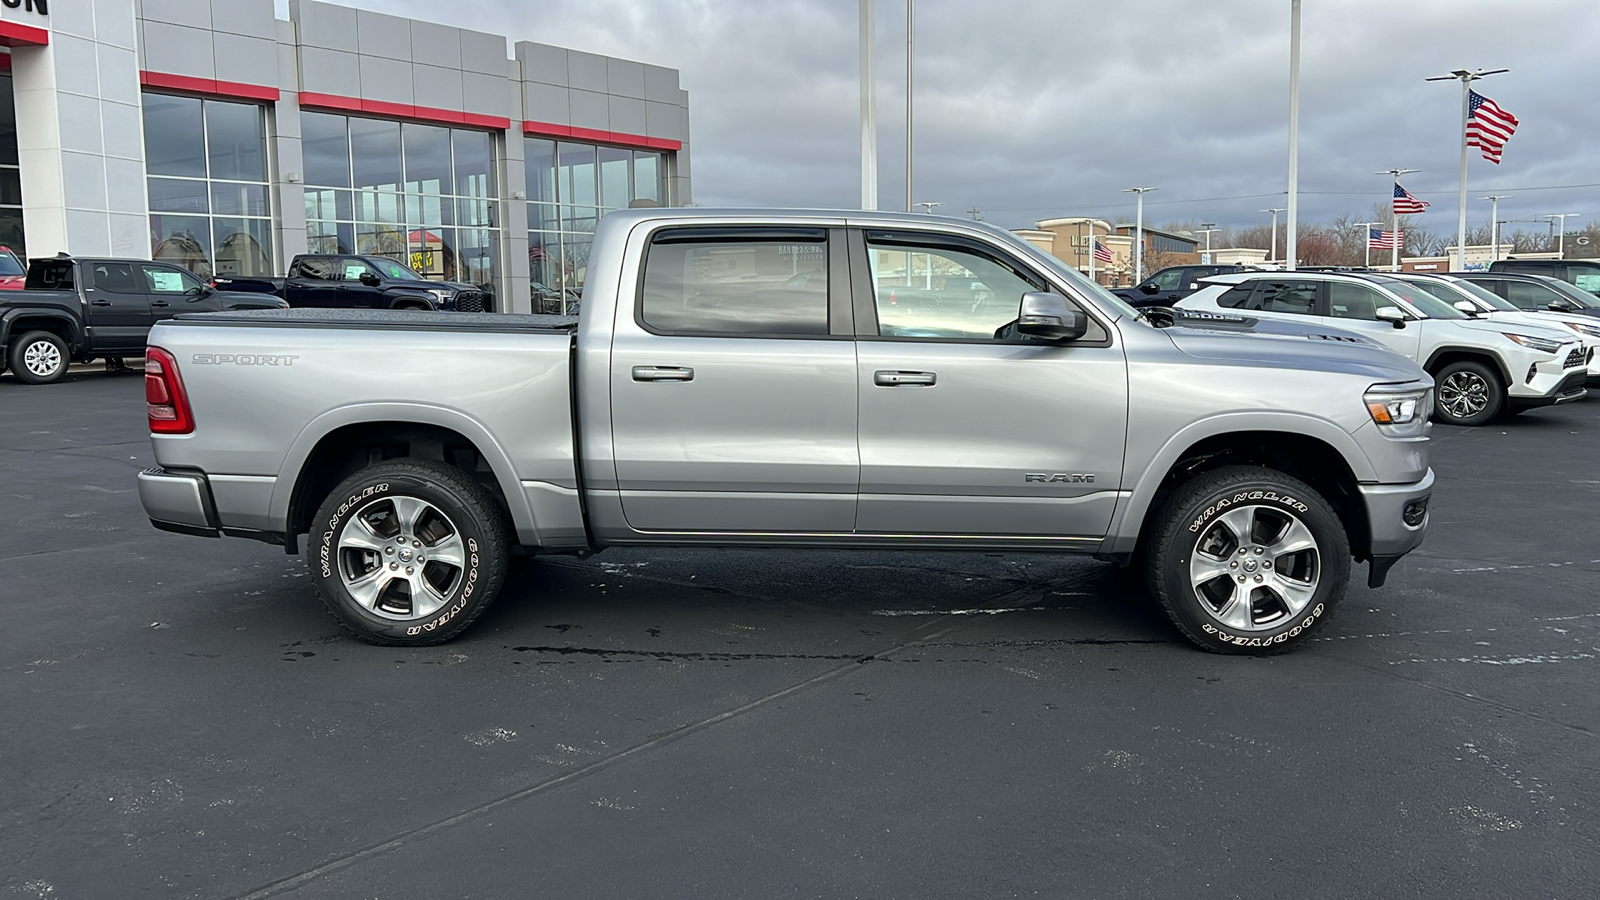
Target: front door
(119, 309)
(356, 293)
(1354, 307)
(172, 290)
(733, 394)
(968, 432)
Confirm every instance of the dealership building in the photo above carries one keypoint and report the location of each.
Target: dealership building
(212, 134)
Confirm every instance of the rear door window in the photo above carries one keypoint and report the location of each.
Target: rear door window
(1294, 297)
(316, 268)
(115, 278)
(733, 282)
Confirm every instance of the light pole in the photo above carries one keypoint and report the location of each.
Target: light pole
(1092, 242)
(1394, 251)
(1138, 232)
(1273, 256)
(1466, 78)
(1206, 228)
(1494, 223)
(869, 107)
(1561, 240)
(1366, 241)
(910, 17)
(1294, 130)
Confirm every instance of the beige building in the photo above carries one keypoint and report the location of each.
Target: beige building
(1071, 239)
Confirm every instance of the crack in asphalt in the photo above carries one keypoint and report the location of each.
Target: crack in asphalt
(851, 663)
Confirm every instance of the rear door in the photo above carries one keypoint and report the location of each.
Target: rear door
(968, 434)
(733, 400)
(314, 282)
(118, 305)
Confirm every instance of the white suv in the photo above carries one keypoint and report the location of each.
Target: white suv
(1480, 302)
(1481, 367)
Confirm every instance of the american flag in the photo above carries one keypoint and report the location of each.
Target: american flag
(1488, 126)
(1385, 240)
(1405, 204)
(1102, 252)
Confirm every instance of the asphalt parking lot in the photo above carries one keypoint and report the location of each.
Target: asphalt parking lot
(182, 719)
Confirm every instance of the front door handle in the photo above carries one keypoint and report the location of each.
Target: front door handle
(663, 373)
(897, 379)
(99, 302)
(159, 303)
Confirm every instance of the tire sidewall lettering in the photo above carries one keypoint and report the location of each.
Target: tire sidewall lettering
(1223, 504)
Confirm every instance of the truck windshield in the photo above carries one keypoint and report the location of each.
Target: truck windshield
(1072, 276)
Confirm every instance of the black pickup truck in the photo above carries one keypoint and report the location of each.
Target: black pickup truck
(76, 310)
(361, 282)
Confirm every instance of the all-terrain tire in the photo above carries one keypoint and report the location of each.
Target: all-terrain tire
(408, 552)
(39, 357)
(1215, 566)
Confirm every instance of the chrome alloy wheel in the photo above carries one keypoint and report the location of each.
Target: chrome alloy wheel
(1255, 567)
(1464, 394)
(43, 358)
(401, 558)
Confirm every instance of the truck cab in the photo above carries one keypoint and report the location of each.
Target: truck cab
(331, 281)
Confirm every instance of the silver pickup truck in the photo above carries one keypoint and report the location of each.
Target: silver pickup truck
(797, 379)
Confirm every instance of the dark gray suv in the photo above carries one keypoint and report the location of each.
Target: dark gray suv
(1172, 284)
(1583, 273)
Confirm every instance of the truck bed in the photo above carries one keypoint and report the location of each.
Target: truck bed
(269, 387)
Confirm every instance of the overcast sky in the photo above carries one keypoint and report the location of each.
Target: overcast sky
(1030, 109)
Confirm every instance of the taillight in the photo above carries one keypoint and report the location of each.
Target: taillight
(166, 404)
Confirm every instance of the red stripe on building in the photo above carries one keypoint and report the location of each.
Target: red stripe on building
(210, 87)
(13, 34)
(309, 100)
(620, 138)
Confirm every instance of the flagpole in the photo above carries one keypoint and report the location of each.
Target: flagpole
(1467, 78)
(1394, 250)
(1093, 245)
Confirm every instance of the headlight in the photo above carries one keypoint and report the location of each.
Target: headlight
(1400, 414)
(441, 295)
(1543, 345)
(1585, 330)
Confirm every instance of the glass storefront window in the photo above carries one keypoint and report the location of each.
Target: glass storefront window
(423, 195)
(10, 175)
(570, 186)
(207, 184)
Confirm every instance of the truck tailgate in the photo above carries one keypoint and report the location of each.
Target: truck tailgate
(266, 386)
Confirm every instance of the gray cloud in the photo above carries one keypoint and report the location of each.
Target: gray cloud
(1032, 108)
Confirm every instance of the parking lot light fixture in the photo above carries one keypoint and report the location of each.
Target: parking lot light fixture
(1273, 256)
(1560, 219)
(1207, 228)
(1394, 252)
(1366, 241)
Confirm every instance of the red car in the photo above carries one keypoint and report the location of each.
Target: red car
(12, 272)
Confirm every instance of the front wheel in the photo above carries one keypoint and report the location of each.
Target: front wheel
(1469, 394)
(39, 357)
(1247, 560)
(408, 552)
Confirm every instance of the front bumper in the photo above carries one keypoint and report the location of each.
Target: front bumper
(1568, 388)
(178, 502)
(1397, 516)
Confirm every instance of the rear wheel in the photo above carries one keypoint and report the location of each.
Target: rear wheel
(1247, 560)
(408, 552)
(39, 357)
(1469, 394)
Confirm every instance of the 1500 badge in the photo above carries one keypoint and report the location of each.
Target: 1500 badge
(1059, 478)
(242, 359)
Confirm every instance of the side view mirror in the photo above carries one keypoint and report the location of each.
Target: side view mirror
(369, 279)
(1559, 305)
(1392, 315)
(1468, 307)
(1047, 315)
(1148, 287)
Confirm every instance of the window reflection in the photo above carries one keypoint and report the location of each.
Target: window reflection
(570, 187)
(207, 185)
(424, 195)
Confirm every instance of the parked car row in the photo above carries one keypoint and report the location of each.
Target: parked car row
(1485, 358)
(361, 282)
(74, 309)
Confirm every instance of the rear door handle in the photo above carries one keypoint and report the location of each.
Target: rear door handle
(663, 373)
(897, 379)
